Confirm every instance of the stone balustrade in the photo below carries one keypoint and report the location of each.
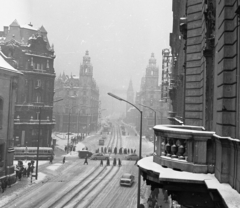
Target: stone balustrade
(185, 148)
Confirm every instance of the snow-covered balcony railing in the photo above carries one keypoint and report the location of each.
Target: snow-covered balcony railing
(185, 148)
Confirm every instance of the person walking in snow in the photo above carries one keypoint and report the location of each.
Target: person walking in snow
(63, 160)
(86, 162)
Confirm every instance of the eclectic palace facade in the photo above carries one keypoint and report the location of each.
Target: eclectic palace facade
(34, 57)
(9, 77)
(198, 162)
(79, 110)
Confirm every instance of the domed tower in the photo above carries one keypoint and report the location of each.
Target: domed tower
(152, 74)
(130, 95)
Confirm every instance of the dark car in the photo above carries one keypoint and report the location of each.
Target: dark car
(84, 153)
(127, 179)
(99, 156)
(132, 157)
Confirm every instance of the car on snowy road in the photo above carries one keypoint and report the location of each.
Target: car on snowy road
(99, 156)
(132, 157)
(127, 179)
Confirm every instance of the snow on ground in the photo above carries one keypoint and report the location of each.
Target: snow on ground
(54, 166)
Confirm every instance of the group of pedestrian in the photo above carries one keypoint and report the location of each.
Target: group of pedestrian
(22, 171)
(121, 150)
(70, 148)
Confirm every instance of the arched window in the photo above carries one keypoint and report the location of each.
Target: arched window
(1, 112)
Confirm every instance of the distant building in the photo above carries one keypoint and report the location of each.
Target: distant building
(130, 110)
(34, 57)
(9, 77)
(79, 110)
(150, 95)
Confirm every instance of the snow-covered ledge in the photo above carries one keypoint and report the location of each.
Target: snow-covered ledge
(230, 196)
(185, 148)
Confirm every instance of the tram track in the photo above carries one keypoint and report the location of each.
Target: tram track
(83, 192)
(73, 191)
(111, 174)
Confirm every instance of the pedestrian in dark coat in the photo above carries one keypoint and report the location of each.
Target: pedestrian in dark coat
(24, 172)
(9, 182)
(51, 158)
(108, 162)
(2, 186)
(101, 163)
(85, 162)
(63, 160)
(20, 175)
(119, 162)
(136, 162)
(17, 171)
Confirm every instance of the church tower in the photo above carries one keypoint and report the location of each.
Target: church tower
(130, 95)
(152, 74)
(86, 68)
(88, 95)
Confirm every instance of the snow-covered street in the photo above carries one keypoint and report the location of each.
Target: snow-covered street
(74, 184)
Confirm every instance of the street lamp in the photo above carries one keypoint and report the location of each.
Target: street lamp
(140, 144)
(39, 127)
(155, 121)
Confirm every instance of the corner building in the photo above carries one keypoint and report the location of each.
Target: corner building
(34, 57)
(197, 163)
(9, 77)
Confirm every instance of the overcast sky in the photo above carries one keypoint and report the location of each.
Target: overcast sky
(120, 35)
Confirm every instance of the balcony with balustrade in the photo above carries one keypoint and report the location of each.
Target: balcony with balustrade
(185, 148)
(197, 167)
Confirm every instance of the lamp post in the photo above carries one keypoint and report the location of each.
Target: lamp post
(140, 145)
(155, 121)
(39, 127)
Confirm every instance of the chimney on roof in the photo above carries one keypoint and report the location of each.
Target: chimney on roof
(30, 24)
(5, 29)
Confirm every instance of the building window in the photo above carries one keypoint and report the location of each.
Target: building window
(37, 115)
(38, 98)
(47, 64)
(31, 61)
(38, 83)
(1, 112)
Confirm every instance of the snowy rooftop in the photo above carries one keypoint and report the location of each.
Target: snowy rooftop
(7, 67)
(229, 195)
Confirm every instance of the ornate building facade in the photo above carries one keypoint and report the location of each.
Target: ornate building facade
(9, 77)
(198, 162)
(79, 110)
(34, 57)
